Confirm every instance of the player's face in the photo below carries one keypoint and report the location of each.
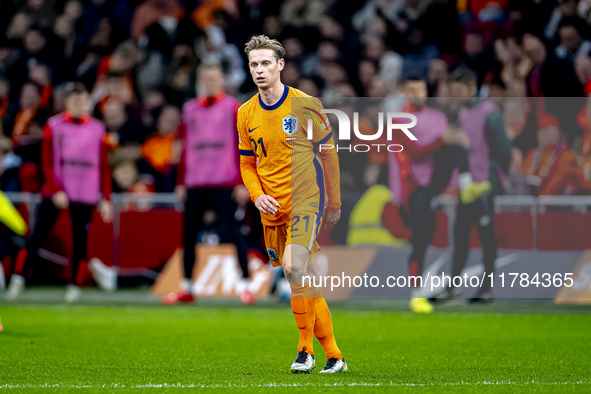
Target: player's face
(264, 67)
(78, 104)
(461, 93)
(212, 80)
(416, 92)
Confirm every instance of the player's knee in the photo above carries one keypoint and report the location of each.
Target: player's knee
(287, 271)
(296, 270)
(295, 274)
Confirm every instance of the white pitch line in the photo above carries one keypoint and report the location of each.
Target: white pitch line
(337, 384)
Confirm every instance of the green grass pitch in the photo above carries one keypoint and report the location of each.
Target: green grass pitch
(222, 347)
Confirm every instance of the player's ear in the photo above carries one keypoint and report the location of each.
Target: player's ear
(281, 64)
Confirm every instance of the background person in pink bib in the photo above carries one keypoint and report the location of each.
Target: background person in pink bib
(76, 176)
(209, 176)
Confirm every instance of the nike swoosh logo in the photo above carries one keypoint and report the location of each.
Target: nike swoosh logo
(251, 130)
(299, 235)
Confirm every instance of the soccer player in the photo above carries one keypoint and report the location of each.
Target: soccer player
(77, 176)
(489, 157)
(431, 160)
(294, 188)
(209, 175)
(14, 221)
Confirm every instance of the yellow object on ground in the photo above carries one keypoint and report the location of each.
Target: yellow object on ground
(421, 305)
(10, 216)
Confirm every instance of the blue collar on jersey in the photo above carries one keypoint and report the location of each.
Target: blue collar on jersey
(278, 103)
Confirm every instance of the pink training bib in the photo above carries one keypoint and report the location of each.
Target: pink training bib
(77, 158)
(211, 157)
(431, 124)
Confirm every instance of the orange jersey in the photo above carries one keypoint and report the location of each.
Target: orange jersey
(278, 159)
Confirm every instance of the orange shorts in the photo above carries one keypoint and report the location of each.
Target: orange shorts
(302, 230)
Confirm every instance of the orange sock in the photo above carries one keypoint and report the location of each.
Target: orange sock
(303, 307)
(323, 328)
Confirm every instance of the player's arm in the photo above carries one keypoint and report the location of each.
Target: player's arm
(332, 179)
(51, 185)
(248, 169)
(106, 179)
(240, 193)
(499, 143)
(180, 190)
(322, 134)
(105, 207)
(180, 179)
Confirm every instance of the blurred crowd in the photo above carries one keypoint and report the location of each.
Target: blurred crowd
(140, 60)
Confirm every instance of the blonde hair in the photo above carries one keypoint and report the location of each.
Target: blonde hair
(264, 42)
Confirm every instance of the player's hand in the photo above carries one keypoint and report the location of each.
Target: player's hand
(181, 192)
(240, 194)
(332, 218)
(105, 208)
(60, 200)
(266, 204)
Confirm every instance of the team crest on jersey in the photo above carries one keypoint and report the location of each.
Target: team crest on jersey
(272, 254)
(290, 125)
